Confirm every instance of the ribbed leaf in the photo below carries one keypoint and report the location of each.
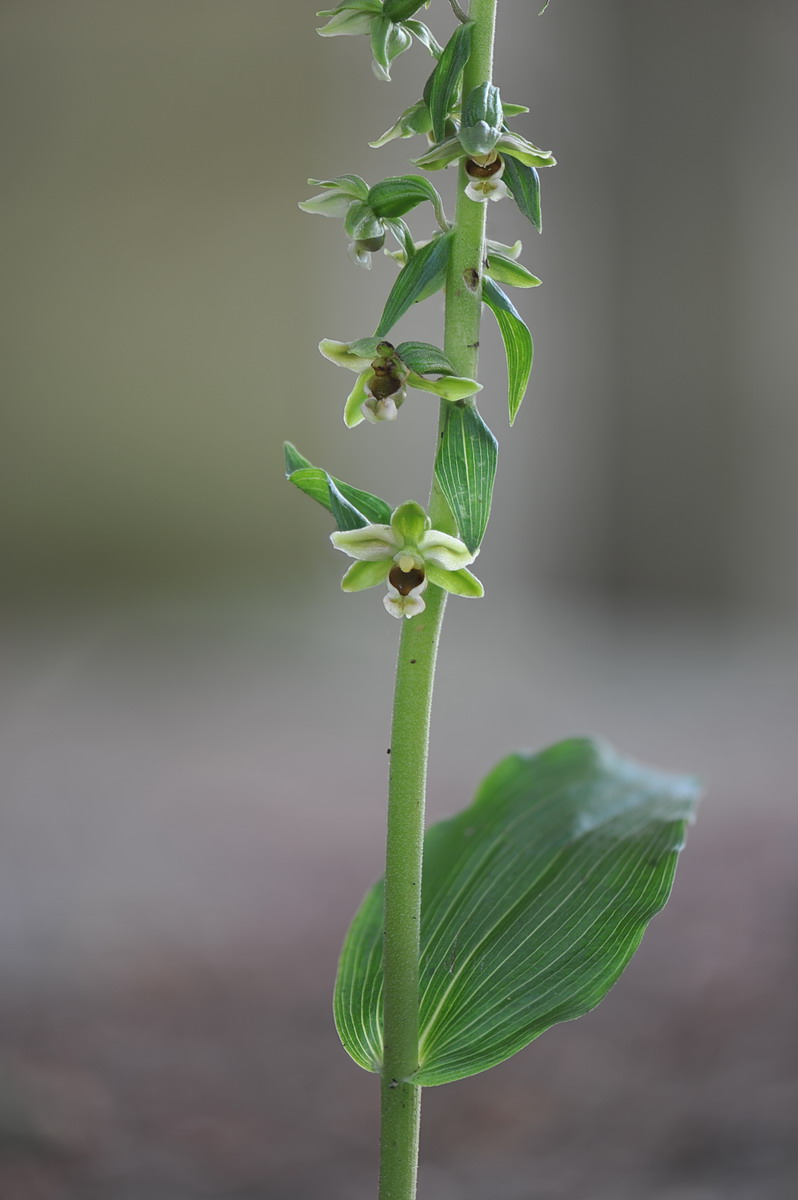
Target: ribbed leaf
(315, 482)
(534, 899)
(418, 274)
(465, 468)
(396, 196)
(524, 185)
(517, 339)
(443, 82)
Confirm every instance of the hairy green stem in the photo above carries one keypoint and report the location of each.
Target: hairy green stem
(415, 671)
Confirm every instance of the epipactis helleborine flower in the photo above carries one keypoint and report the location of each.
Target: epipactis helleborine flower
(407, 554)
(383, 379)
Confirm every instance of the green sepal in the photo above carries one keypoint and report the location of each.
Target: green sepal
(514, 110)
(424, 359)
(350, 19)
(507, 270)
(388, 41)
(518, 346)
(353, 408)
(465, 468)
(515, 146)
(349, 185)
(523, 183)
(313, 481)
(363, 575)
(409, 522)
(534, 899)
(396, 196)
(442, 85)
(400, 10)
(448, 387)
(354, 356)
(440, 155)
(426, 268)
(457, 583)
(482, 120)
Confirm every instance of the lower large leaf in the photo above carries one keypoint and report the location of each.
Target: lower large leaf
(534, 900)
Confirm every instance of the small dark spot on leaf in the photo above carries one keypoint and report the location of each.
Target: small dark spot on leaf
(394, 1083)
(412, 660)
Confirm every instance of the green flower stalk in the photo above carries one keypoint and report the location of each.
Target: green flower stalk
(524, 909)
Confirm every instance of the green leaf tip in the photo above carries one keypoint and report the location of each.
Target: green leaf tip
(582, 847)
(351, 507)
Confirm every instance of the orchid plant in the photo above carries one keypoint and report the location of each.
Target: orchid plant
(523, 910)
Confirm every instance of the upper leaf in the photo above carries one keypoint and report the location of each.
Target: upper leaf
(465, 468)
(442, 85)
(425, 270)
(533, 901)
(337, 497)
(524, 185)
(518, 346)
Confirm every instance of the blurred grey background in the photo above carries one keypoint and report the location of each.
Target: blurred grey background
(194, 718)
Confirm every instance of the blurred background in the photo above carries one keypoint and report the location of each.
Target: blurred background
(194, 718)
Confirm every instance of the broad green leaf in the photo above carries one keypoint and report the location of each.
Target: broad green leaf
(524, 185)
(444, 81)
(424, 359)
(465, 468)
(396, 196)
(315, 482)
(533, 901)
(517, 339)
(507, 270)
(422, 271)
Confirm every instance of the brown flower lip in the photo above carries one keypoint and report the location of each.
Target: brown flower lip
(405, 581)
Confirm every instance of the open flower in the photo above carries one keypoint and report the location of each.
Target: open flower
(407, 555)
(385, 371)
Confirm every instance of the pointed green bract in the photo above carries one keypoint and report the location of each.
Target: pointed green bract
(506, 270)
(426, 268)
(524, 185)
(444, 81)
(396, 196)
(465, 468)
(533, 901)
(315, 482)
(518, 345)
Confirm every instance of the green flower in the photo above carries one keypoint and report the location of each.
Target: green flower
(407, 554)
(388, 25)
(384, 373)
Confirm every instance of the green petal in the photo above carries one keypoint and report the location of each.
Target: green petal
(452, 387)
(327, 204)
(343, 23)
(445, 551)
(409, 523)
(342, 354)
(352, 414)
(365, 575)
(459, 583)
